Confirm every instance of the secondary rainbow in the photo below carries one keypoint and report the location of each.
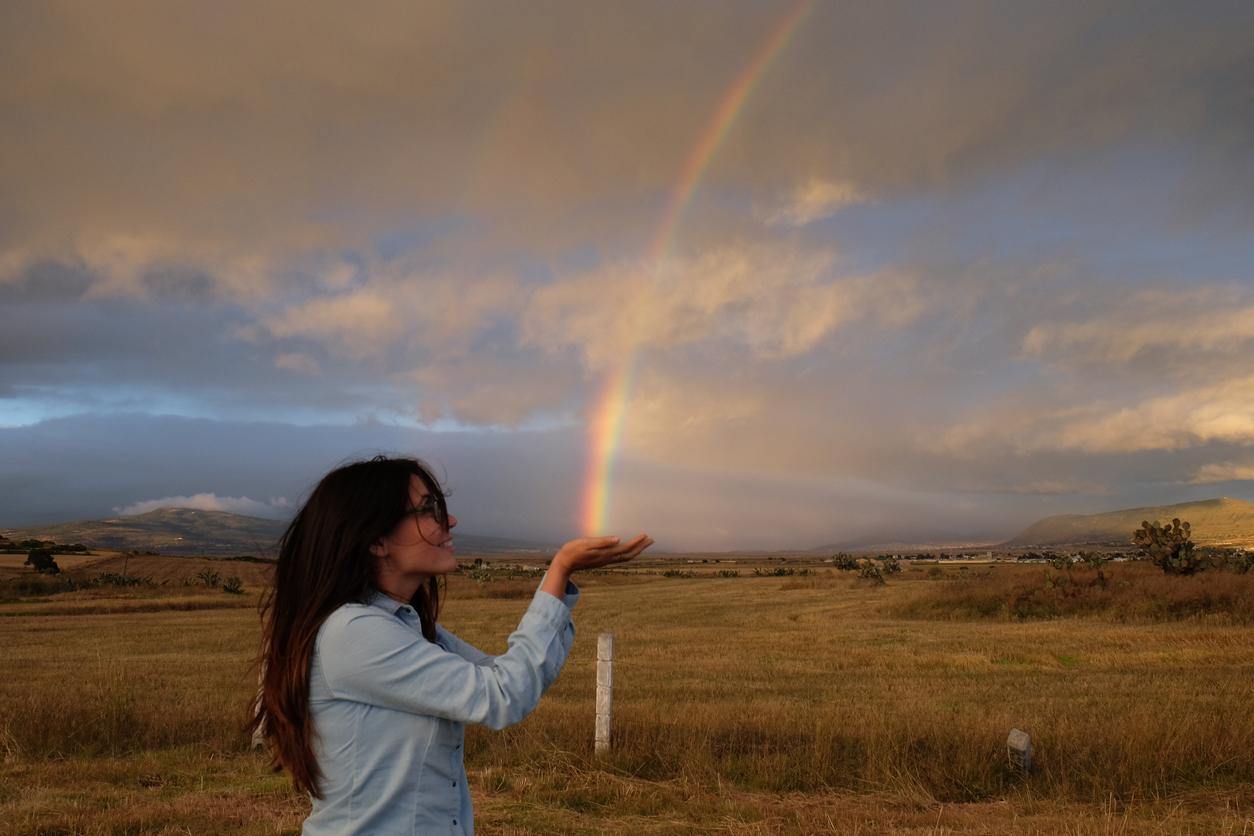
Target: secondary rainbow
(609, 414)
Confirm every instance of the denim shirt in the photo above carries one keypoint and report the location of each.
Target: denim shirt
(388, 709)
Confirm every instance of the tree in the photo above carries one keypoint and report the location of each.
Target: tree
(42, 561)
(1169, 546)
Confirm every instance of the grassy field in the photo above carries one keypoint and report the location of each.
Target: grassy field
(797, 704)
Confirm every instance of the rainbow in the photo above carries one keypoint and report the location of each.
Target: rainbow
(609, 414)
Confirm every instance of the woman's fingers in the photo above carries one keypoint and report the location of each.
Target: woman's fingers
(632, 548)
(635, 543)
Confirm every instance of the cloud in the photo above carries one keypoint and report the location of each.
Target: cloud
(394, 308)
(360, 323)
(1222, 413)
(1057, 487)
(1223, 472)
(814, 200)
(1188, 417)
(506, 387)
(295, 361)
(1159, 329)
(771, 302)
(209, 502)
(499, 351)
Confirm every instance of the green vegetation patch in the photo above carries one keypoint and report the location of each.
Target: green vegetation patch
(1129, 592)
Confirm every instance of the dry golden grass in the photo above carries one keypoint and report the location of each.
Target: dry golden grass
(743, 705)
(176, 570)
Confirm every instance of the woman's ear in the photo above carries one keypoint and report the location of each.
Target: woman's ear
(378, 549)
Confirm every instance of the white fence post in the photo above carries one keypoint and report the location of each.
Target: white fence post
(605, 691)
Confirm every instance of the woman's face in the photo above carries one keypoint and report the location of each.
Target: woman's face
(418, 547)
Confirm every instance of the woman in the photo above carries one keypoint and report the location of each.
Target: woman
(364, 695)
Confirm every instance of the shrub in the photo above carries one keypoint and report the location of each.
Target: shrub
(249, 558)
(728, 573)
(1063, 562)
(1134, 592)
(676, 573)
(1170, 547)
(890, 566)
(233, 585)
(209, 577)
(477, 573)
(779, 572)
(1231, 560)
(36, 585)
(120, 579)
(1096, 561)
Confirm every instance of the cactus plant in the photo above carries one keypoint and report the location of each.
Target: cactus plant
(845, 562)
(870, 570)
(1170, 547)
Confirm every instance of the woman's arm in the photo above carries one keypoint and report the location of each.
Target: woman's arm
(464, 649)
(455, 644)
(367, 655)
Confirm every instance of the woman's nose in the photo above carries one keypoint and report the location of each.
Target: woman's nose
(452, 522)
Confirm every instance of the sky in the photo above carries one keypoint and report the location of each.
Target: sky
(847, 271)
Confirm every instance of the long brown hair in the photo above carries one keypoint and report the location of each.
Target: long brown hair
(325, 562)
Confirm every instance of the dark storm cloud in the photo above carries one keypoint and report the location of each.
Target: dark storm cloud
(326, 127)
(93, 465)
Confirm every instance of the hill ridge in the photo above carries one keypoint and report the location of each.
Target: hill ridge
(1218, 521)
(191, 531)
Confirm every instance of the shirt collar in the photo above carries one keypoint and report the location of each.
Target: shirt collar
(385, 602)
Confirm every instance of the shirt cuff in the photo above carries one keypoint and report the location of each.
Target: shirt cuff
(570, 595)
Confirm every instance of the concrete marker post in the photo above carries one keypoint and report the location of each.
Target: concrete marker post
(1019, 751)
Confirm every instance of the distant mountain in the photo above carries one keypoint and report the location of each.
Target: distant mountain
(873, 546)
(1220, 521)
(185, 531)
(168, 531)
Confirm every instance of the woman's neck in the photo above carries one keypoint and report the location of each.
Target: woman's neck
(396, 597)
(400, 590)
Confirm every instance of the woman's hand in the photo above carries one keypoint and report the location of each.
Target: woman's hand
(595, 552)
(590, 553)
